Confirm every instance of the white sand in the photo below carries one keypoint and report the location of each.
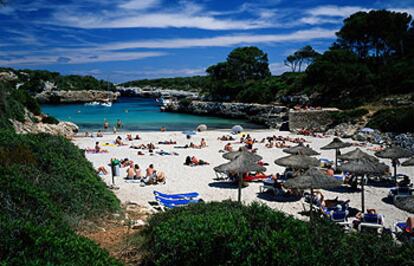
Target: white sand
(182, 178)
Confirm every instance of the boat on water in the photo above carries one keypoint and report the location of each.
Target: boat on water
(163, 101)
(104, 104)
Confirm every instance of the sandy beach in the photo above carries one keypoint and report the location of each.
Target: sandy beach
(181, 178)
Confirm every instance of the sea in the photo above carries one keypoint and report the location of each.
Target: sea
(136, 114)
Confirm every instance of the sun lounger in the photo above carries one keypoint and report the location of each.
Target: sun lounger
(400, 192)
(168, 203)
(373, 221)
(191, 195)
(338, 216)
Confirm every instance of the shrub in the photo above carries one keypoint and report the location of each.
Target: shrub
(398, 120)
(228, 233)
(185, 102)
(348, 116)
(50, 120)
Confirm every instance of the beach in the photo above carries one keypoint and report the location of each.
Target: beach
(181, 178)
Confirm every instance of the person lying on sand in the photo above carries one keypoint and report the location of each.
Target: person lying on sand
(167, 142)
(101, 170)
(126, 162)
(270, 144)
(97, 147)
(225, 138)
(99, 134)
(153, 177)
(162, 153)
(137, 137)
(118, 141)
(228, 147)
(129, 137)
(203, 143)
(194, 161)
(149, 146)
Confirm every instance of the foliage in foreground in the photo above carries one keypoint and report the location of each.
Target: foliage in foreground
(227, 233)
(46, 188)
(398, 120)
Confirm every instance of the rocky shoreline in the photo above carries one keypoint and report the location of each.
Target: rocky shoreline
(269, 115)
(82, 96)
(154, 92)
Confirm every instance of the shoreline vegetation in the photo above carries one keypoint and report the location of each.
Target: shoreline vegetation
(48, 188)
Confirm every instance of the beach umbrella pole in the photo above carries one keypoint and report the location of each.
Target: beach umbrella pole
(240, 185)
(362, 195)
(311, 206)
(336, 159)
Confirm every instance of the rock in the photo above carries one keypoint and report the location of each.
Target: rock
(344, 130)
(360, 137)
(316, 120)
(137, 224)
(154, 92)
(406, 141)
(65, 129)
(7, 76)
(82, 96)
(267, 114)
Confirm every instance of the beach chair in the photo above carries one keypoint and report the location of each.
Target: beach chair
(191, 195)
(338, 216)
(221, 176)
(372, 221)
(400, 192)
(401, 232)
(169, 204)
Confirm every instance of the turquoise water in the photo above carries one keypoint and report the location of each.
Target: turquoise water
(136, 114)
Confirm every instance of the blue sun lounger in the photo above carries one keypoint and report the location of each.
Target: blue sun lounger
(168, 203)
(190, 195)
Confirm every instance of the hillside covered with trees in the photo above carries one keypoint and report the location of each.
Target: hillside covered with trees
(35, 81)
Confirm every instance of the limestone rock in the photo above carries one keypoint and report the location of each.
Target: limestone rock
(155, 92)
(83, 96)
(344, 130)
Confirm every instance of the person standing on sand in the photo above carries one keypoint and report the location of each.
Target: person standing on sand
(119, 124)
(106, 124)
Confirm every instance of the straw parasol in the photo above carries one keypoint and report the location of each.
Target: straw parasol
(234, 154)
(409, 162)
(357, 154)
(241, 165)
(405, 203)
(301, 149)
(297, 161)
(336, 144)
(312, 179)
(394, 153)
(363, 167)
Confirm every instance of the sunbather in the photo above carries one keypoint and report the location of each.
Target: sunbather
(203, 143)
(99, 134)
(118, 141)
(101, 170)
(360, 216)
(131, 172)
(228, 147)
(194, 161)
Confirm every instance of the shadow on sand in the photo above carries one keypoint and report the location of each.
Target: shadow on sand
(269, 196)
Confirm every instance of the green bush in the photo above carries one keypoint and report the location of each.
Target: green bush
(348, 116)
(398, 120)
(227, 233)
(50, 120)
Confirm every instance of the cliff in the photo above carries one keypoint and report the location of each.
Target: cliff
(267, 114)
(155, 92)
(317, 120)
(52, 96)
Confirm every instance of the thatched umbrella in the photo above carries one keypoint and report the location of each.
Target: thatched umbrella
(234, 154)
(357, 154)
(297, 161)
(409, 162)
(312, 179)
(301, 149)
(394, 153)
(336, 144)
(241, 165)
(405, 203)
(363, 167)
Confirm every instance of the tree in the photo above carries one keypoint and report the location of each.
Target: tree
(243, 66)
(302, 57)
(378, 33)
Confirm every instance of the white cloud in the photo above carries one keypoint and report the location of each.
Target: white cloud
(140, 4)
(278, 68)
(223, 41)
(79, 58)
(335, 11)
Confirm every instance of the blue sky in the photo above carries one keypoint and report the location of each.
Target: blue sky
(134, 39)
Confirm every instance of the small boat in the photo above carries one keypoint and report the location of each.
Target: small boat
(92, 104)
(108, 104)
(162, 101)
